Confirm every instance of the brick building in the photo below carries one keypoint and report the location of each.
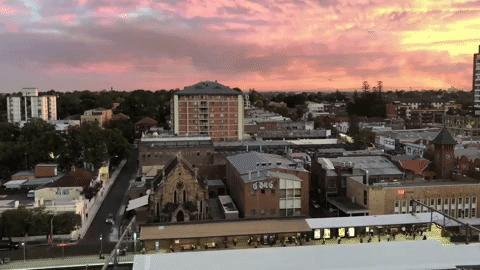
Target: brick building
(99, 116)
(456, 198)
(444, 156)
(266, 185)
(155, 151)
(182, 195)
(208, 108)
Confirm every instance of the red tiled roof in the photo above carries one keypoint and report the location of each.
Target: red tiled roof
(417, 166)
(147, 121)
(77, 178)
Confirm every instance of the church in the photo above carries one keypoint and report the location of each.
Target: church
(181, 195)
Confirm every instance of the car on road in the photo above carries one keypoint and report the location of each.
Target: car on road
(109, 220)
(9, 245)
(315, 204)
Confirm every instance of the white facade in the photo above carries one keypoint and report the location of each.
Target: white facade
(30, 105)
(316, 109)
(476, 83)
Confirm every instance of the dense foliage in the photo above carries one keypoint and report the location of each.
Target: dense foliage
(23, 221)
(38, 142)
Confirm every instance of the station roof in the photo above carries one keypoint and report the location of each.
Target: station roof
(219, 229)
(415, 255)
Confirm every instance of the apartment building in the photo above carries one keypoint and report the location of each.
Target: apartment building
(476, 83)
(208, 108)
(28, 105)
(99, 116)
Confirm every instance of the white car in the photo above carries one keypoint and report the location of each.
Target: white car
(109, 220)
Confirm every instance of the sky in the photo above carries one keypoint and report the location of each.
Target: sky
(266, 45)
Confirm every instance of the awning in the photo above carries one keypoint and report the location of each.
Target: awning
(137, 203)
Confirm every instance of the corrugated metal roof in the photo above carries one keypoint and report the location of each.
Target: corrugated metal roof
(255, 161)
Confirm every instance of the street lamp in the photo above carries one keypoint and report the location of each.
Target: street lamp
(51, 230)
(24, 253)
(134, 242)
(101, 245)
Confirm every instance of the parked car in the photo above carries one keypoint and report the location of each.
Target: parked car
(109, 220)
(9, 245)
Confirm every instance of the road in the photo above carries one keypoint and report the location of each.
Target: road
(90, 244)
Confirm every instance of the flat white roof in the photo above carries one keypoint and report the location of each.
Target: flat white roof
(428, 254)
(14, 183)
(138, 202)
(361, 221)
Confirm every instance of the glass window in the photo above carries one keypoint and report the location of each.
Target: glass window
(432, 202)
(467, 200)
(474, 199)
(439, 201)
(466, 213)
(445, 201)
(396, 203)
(460, 200)
(473, 213)
(452, 201)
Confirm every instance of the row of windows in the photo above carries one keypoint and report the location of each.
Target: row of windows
(285, 212)
(461, 207)
(438, 201)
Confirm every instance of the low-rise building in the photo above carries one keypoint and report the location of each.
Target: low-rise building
(456, 198)
(99, 116)
(329, 178)
(267, 185)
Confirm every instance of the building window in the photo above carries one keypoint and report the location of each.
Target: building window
(439, 202)
(474, 199)
(460, 201)
(432, 202)
(253, 212)
(365, 198)
(396, 203)
(474, 213)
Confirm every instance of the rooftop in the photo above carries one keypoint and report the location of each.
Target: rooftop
(444, 137)
(411, 135)
(219, 229)
(77, 178)
(256, 161)
(208, 88)
(414, 255)
(375, 165)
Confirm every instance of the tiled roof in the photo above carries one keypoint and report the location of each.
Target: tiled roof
(417, 166)
(77, 178)
(444, 137)
(208, 88)
(146, 121)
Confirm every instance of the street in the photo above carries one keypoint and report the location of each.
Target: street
(90, 244)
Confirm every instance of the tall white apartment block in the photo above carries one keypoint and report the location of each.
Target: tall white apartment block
(28, 105)
(476, 83)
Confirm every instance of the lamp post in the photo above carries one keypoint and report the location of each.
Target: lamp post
(134, 242)
(101, 246)
(51, 230)
(24, 253)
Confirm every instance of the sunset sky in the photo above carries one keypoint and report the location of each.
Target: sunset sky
(266, 45)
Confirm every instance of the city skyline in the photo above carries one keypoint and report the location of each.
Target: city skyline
(299, 45)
